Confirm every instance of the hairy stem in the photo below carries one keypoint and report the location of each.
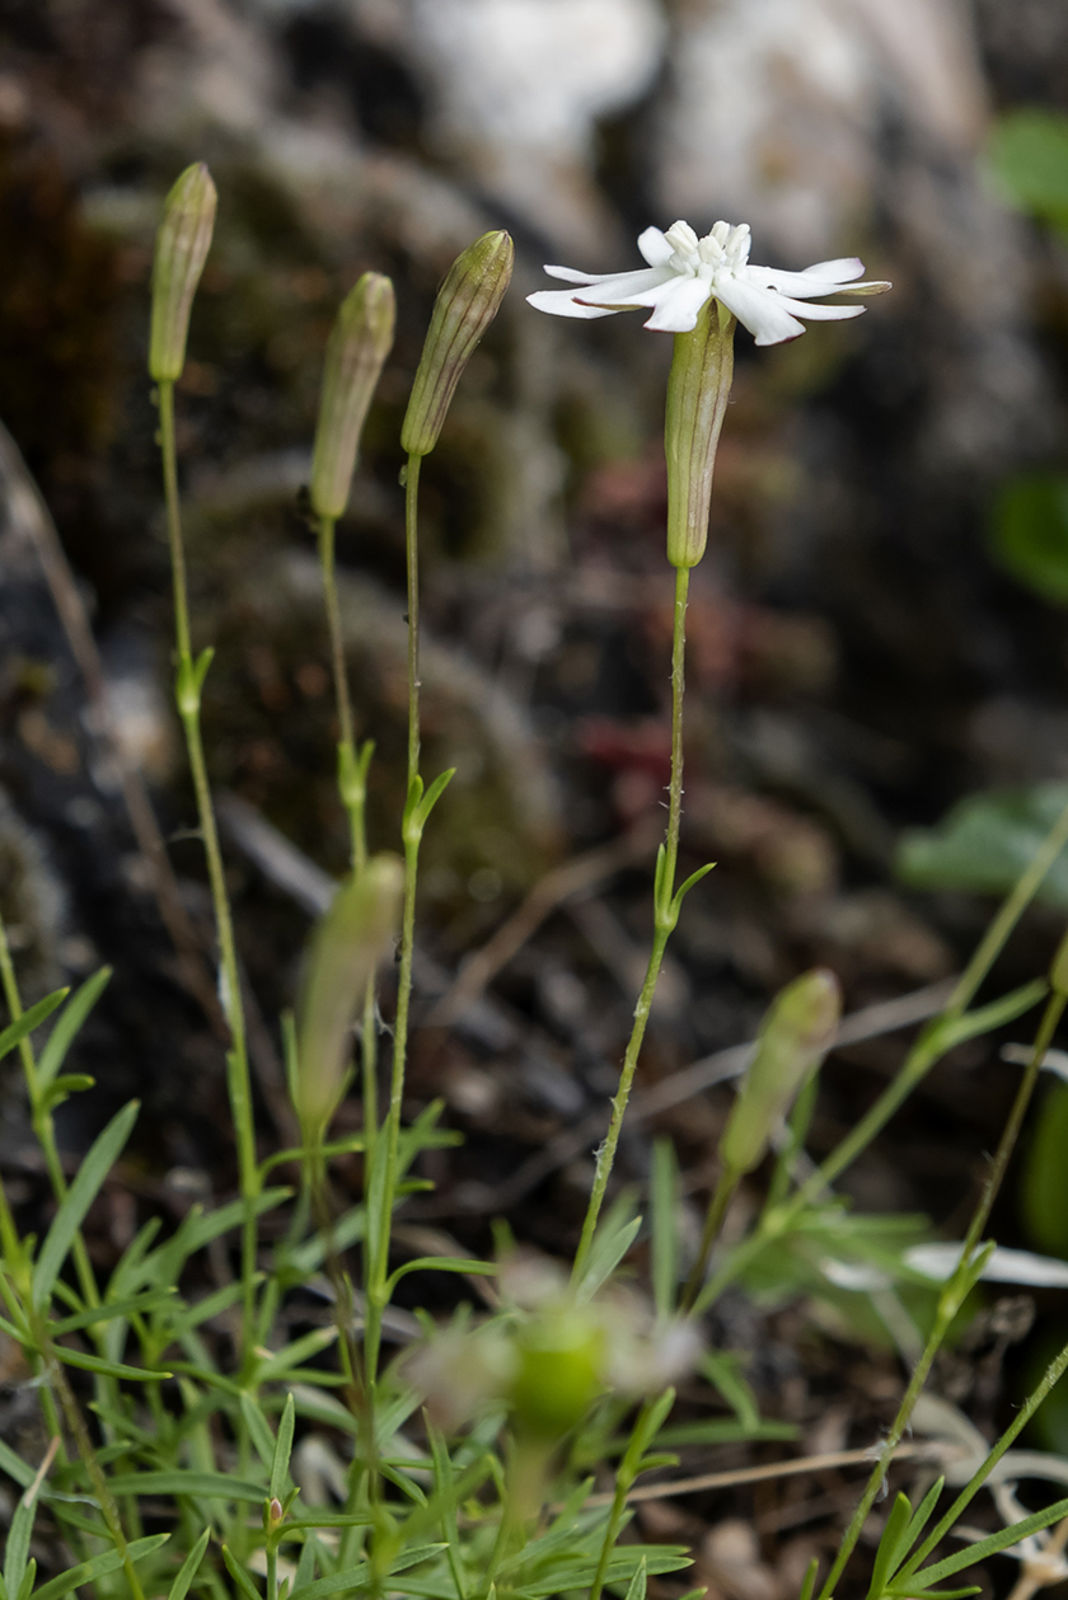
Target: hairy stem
(665, 915)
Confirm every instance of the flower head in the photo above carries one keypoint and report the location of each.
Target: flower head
(684, 273)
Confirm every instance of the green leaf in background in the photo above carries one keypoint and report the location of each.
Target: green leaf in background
(99, 1567)
(1029, 533)
(1028, 154)
(1044, 1174)
(98, 1161)
(985, 843)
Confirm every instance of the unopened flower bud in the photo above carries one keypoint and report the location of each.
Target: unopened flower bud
(359, 343)
(467, 303)
(182, 245)
(794, 1037)
(699, 387)
(349, 942)
(559, 1370)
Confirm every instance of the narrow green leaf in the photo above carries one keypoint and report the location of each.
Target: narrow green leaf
(205, 1485)
(15, 1032)
(130, 1261)
(259, 1429)
(922, 1515)
(202, 664)
(294, 1355)
(188, 1569)
(486, 1269)
(239, 1575)
(212, 1305)
(70, 1083)
(327, 1519)
(691, 883)
(69, 1024)
(15, 1467)
(663, 1198)
(200, 1228)
(722, 1368)
(892, 1547)
(99, 1567)
(945, 1033)
(612, 1240)
(812, 1572)
(282, 1450)
(101, 1157)
(433, 795)
(108, 1369)
(992, 1545)
(111, 1310)
(354, 1578)
(17, 1548)
(636, 1586)
(307, 1562)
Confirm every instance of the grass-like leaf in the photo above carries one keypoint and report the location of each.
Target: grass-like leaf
(112, 1310)
(99, 1567)
(189, 1567)
(283, 1450)
(108, 1369)
(17, 1548)
(663, 1206)
(240, 1576)
(911, 1583)
(15, 1032)
(68, 1025)
(98, 1162)
(613, 1239)
(205, 1485)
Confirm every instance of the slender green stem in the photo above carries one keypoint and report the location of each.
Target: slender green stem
(165, 392)
(625, 1477)
(1052, 1376)
(665, 915)
(1008, 915)
(722, 1196)
(411, 557)
(352, 765)
(327, 530)
(953, 1293)
(189, 678)
(413, 828)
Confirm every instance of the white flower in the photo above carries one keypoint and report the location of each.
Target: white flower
(685, 272)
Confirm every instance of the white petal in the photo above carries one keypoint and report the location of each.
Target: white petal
(641, 288)
(762, 311)
(562, 303)
(813, 281)
(654, 247)
(855, 1275)
(841, 270)
(817, 313)
(679, 305)
(1005, 1266)
(569, 274)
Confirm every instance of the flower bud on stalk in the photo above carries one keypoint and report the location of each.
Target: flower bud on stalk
(182, 245)
(467, 303)
(359, 343)
(699, 387)
(349, 942)
(794, 1037)
(560, 1354)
